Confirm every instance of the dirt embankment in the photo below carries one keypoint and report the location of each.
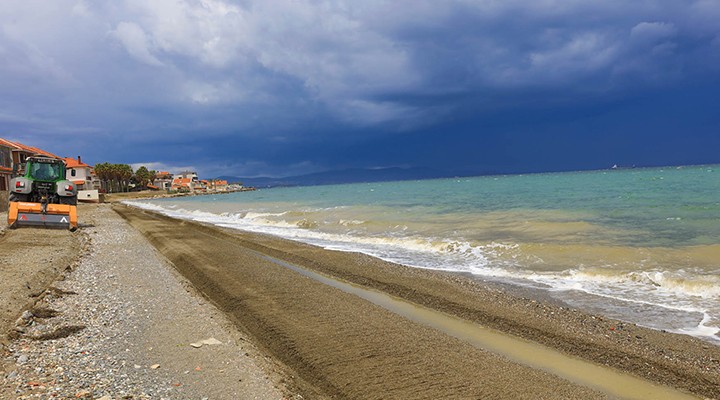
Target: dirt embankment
(343, 347)
(30, 260)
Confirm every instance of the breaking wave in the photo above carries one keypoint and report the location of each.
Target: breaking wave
(614, 273)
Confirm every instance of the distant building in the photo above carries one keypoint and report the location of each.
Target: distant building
(218, 185)
(81, 174)
(5, 166)
(163, 180)
(188, 175)
(13, 160)
(21, 152)
(187, 180)
(182, 184)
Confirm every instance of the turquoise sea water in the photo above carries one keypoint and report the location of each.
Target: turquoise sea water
(642, 245)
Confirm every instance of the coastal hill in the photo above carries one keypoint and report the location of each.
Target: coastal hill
(350, 175)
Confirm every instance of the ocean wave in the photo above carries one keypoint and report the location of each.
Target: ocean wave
(663, 282)
(548, 265)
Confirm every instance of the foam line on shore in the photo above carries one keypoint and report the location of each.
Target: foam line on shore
(615, 383)
(672, 360)
(658, 290)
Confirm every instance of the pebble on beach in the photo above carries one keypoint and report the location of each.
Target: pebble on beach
(100, 327)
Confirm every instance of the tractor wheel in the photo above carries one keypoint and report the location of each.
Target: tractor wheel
(18, 197)
(70, 200)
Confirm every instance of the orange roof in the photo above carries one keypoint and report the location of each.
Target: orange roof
(35, 150)
(7, 143)
(79, 182)
(27, 149)
(182, 182)
(74, 163)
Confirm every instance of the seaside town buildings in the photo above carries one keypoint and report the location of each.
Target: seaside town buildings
(187, 181)
(163, 181)
(13, 154)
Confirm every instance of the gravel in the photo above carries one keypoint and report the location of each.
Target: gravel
(120, 326)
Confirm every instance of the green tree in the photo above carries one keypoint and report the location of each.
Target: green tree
(143, 176)
(125, 172)
(153, 176)
(104, 173)
(114, 177)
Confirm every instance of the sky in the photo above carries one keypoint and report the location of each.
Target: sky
(288, 87)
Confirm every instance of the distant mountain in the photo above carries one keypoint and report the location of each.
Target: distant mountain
(352, 175)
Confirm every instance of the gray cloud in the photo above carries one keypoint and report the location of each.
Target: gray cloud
(135, 42)
(172, 69)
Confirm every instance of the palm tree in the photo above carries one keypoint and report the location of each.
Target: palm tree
(142, 176)
(103, 172)
(114, 177)
(153, 176)
(123, 174)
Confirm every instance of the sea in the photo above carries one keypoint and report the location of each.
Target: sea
(640, 245)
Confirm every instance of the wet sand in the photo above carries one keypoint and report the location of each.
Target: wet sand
(338, 345)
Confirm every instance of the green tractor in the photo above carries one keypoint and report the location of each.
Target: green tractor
(42, 196)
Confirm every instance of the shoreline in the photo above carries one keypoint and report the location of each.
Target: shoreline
(120, 197)
(582, 260)
(586, 301)
(676, 360)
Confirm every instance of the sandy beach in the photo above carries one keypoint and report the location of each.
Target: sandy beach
(115, 307)
(108, 317)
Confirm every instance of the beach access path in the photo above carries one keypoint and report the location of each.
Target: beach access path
(285, 334)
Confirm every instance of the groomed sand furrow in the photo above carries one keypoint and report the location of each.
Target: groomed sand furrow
(342, 345)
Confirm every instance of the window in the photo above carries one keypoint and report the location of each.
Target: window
(46, 171)
(5, 157)
(72, 172)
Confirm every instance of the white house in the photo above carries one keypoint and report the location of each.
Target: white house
(81, 174)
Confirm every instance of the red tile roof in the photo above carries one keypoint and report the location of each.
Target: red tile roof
(74, 163)
(27, 149)
(7, 143)
(182, 182)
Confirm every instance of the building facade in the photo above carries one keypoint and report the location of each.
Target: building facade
(81, 174)
(6, 165)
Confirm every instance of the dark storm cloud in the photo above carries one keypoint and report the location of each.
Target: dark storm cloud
(282, 87)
